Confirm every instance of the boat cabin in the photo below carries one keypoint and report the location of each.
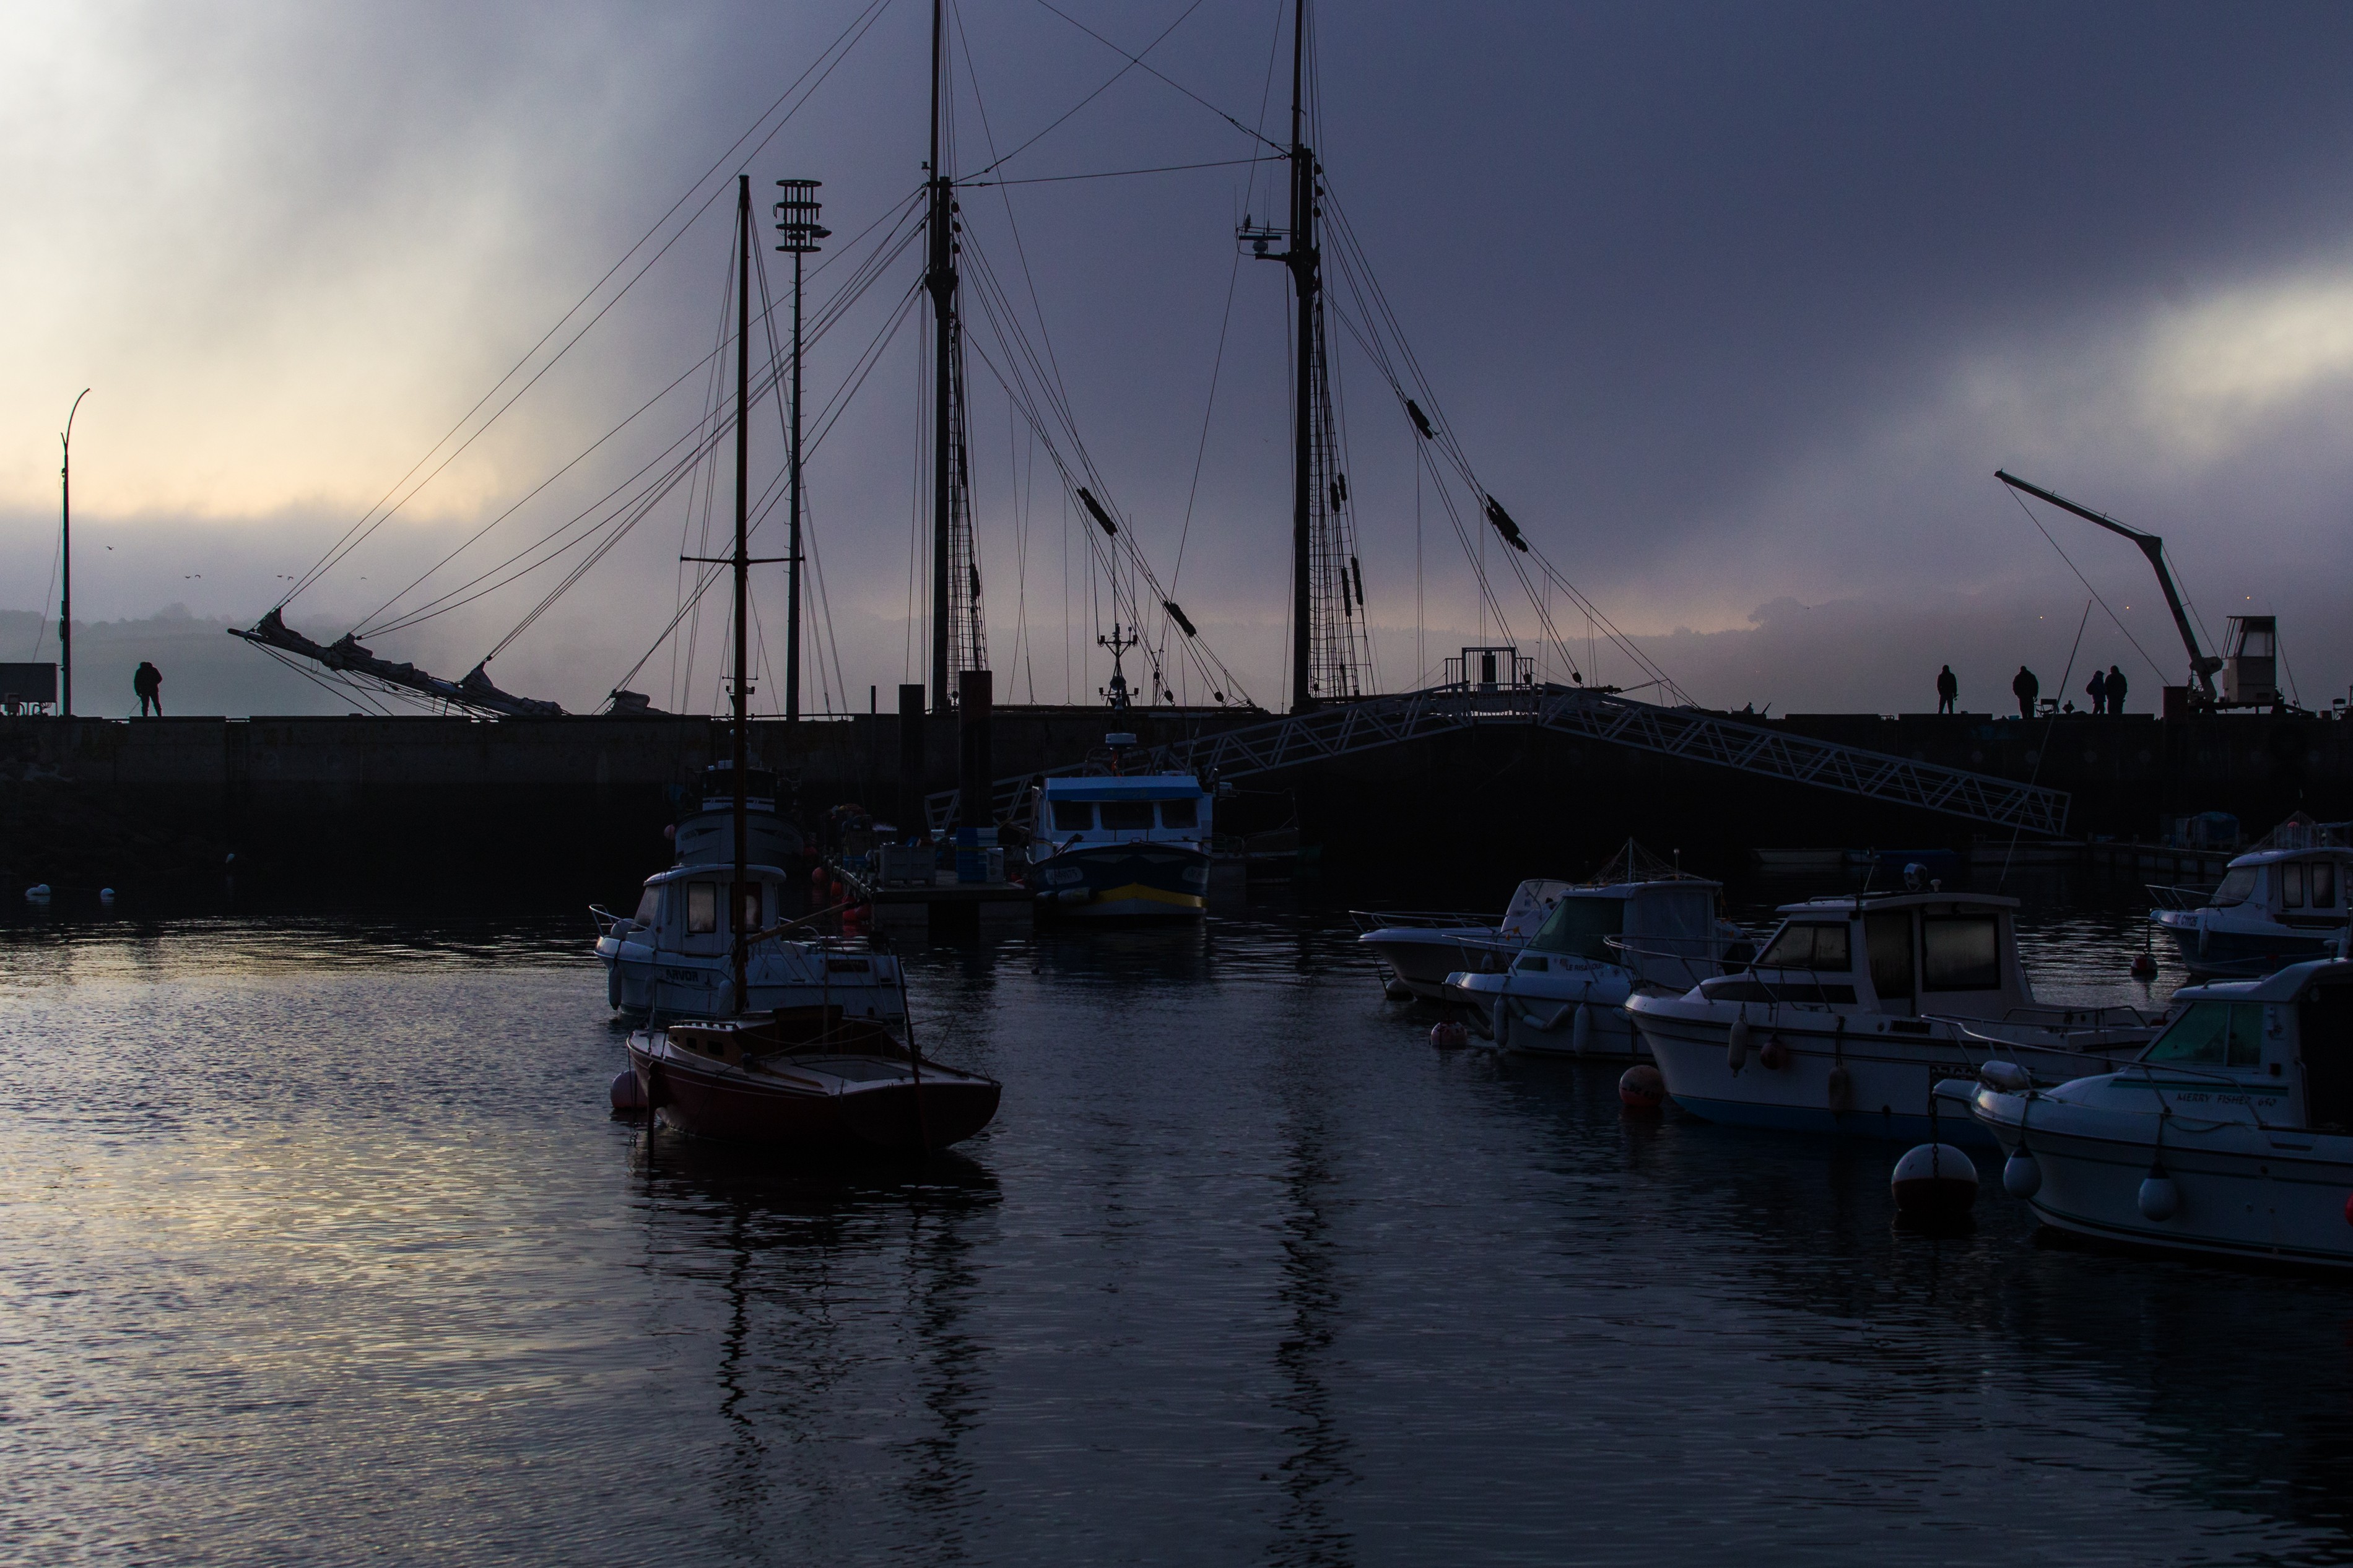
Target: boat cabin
(1902, 953)
(1145, 808)
(685, 910)
(2294, 887)
(1666, 932)
(2290, 1031)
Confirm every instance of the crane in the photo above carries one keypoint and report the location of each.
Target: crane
(2202, 664)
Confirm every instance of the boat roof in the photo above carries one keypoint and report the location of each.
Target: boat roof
(1851, 904)
(1628, 889)
(1124, 786)
(2276, 853)
(675, 872)
(2281, 985)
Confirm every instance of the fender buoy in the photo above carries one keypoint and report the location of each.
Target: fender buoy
(2349, 1208)
(1641, 1089)
(1503, 1023)
(1581, 1039)
(1449, 1036)
(820, 875)
(629, 1095)
(1842, 1087)
(1736, 1045)
(1775, 1055)
(2161, 1199)
(1934, 1181)
(2021, 1176)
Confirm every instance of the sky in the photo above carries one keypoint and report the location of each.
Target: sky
(1737, 308)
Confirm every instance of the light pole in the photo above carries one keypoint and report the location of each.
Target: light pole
(796, 223)
(65, 550)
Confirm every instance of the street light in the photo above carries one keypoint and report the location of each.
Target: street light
(797, 227)
(65, 550)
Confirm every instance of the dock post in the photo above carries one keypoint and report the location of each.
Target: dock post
(911, 763)
(975, 699)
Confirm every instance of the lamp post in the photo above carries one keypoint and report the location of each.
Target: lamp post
(796, 223)
(64, 551)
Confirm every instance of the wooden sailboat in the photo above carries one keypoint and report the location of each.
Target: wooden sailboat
(805, 1079)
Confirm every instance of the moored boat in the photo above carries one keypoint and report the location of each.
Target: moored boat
(806, 1081)
(2232, 1134)
(1422, 948)
(2284, 902)
(1117, 845)
(1859, 1005)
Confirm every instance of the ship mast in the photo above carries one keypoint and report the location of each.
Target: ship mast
(1307, 282)
(958, 641)
(740, 917)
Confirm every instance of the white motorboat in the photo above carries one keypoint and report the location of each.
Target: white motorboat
(1420, 949)
(2283, 902)
(673, 956)
(1565, 990)
(1855, 1009)
(2231, 1133)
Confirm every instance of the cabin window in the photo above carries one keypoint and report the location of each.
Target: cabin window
(2238, 886)
(2213, 1034)
(747, 901)
(1074, 816)
(2324, 884)
(1180, 814)
(2291, 885)
(1810, 947)
(648, 907)
(701, 908)
(1887, 938)
(1582, 928)
(1960, 953)
(1126, 816)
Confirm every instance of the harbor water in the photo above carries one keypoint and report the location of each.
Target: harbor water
(319, 1244)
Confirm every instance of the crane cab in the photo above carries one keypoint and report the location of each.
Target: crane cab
(2250, 661)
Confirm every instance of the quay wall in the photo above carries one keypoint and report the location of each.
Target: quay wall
(115, 799)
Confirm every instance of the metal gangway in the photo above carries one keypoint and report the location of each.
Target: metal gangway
(1693, 734)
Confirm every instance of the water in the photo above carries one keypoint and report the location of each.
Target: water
(319, 1245)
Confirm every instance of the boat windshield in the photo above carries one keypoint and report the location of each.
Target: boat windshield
(2213, 1034)
(1809, 946)
(1581, 928)
(2238, 887)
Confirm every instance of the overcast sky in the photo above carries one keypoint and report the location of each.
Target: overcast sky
(1738, 308)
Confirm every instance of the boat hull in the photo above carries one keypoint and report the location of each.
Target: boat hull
(2213, 951)
(1125, 882)
(641, 983)
(1421, 960)
(803, 1113)
(1523, 1013)
(2259, 1192)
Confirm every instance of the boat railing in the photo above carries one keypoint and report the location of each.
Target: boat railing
(1695, 958)
(606, 920)
(2118, 1016)
(2180, 897)
(1432, 919)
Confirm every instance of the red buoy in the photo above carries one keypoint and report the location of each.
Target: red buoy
(1775, 1055)
(1449, 1036)
(2349, 1208)
(1642, 1088)
(1935, 1181)
(2144, 965)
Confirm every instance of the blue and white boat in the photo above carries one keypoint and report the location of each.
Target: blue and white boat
(1119, 846)
(2283, 902)
(2232, 1134)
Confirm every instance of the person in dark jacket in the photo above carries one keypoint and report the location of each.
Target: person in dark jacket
(2098, 690)
(2026, 689)
(2116, 688)
(147, 684)
(1948, 690)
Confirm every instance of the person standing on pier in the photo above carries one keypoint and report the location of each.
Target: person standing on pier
(2116, 688)
(2026, 689)
(147, 682)
(1948, 690)
(2098, 689)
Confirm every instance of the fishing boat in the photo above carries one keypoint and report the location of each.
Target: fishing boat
(1112, 844)
(1420, 950)
(807, 1079)
(673, 956)
(2282, 903)
(2231, 1133)
(1638, 926)
(1857, 1006)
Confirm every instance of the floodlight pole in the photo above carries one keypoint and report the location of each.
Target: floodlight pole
(796, 214)
(64, 551)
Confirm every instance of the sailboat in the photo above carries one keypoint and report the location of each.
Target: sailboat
(807, 1078)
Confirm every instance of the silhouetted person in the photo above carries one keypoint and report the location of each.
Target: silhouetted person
(1948, 690)
(2026, 689)
(2115, 690)
(148, 682)
(2098, 689)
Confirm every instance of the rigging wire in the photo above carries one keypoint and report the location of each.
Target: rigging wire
(1137, 61)
(2155, 668)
